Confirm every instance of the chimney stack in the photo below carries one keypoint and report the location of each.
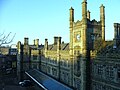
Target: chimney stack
(88, 14)
(37, 42)
(46, 44)
(26, 42)
(55, 40)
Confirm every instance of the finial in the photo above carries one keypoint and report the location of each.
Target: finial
(84, 0)
(102, 5)
(88, 11)
(71, 8)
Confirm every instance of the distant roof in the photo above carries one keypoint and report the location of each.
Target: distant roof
(13, 46)
(45, 81)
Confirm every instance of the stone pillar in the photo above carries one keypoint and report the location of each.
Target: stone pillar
(102, 20)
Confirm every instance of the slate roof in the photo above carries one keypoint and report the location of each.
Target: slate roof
(34, 47)
(64, 46)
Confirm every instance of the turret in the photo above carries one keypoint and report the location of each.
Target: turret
(88, 14)
(102, 20)
(84, 25)
(84, 9)
(71, 19)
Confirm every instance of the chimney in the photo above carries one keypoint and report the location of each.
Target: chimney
(19, 46)
(26, 41)
(34, 42)
(46, 44)
(55, 40)
(88, 14)
(37, 42)
(59, 43)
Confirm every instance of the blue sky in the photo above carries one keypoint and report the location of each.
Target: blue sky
(48, 18)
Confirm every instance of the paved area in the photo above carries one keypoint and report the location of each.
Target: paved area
(14, 87)
(10, 82)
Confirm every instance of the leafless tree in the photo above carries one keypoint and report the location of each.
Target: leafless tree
(6, 39)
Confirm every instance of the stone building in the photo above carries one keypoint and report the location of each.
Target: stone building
(87, 62)
(105, 67)
(28, 56)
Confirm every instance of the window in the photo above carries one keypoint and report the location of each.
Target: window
(49, 68)
(118, 73)
(61, 62)
(78, 65)
(100, 69)
(54, 71)
(34, 57)
(109, 72)
(75, 52)
(78, 52)
(65, 63)
(92, 37)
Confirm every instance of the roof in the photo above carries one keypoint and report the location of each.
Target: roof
(39, 47)
(64, 46)
(45, 81)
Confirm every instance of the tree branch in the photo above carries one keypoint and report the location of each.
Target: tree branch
(4, 38)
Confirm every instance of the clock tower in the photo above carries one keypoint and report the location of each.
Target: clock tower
(79, 49)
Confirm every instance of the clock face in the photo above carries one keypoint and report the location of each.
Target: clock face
(78, 37)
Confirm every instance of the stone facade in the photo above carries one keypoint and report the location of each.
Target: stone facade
(87, 62)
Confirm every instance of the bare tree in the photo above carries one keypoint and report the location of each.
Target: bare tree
(5, 39)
